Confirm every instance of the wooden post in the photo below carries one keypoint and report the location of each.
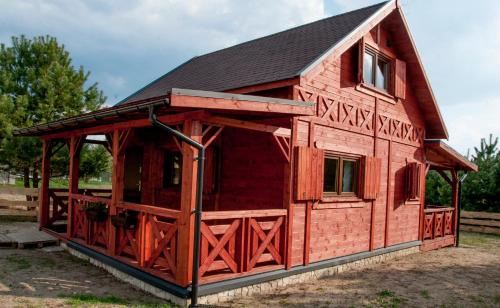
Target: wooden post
(289, 202)
(454, 200)
(192, 129)
(389, 195)
(75, 144)
(44, 190)
(375, 148)
(116, 187)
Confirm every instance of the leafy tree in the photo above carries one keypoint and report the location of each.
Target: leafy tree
(38, 84)
(94, 160)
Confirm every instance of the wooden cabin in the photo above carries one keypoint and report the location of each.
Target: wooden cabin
(316, 145)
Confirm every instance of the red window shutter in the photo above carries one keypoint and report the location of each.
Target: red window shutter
(400, 79)
(361, 54)
(413, 180)
(371, 168)
(309, 164)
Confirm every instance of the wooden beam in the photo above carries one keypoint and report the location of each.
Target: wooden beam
(227, 101)
(389, 195)
(444, 176)
(75, 146)
(192, 129)
(277, 131)
(288, 199)
(117, 184)
(170, 119)
(44, 190)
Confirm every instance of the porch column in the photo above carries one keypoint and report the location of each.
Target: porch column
(116, 186)
(454, 200)
(192, 129)
(44, 199)
(75, 145)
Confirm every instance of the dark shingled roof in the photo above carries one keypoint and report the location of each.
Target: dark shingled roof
(275, 57)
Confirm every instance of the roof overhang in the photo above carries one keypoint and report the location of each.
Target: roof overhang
(442, 156)
(178, 100)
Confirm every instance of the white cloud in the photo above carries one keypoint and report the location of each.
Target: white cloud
(468, 122)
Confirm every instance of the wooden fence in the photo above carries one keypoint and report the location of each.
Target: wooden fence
(481, 222)
(15, 198)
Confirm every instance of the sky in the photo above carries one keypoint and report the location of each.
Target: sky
(126, 44)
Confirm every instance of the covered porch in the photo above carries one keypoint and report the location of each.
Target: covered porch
(149, 220)
(440, 223)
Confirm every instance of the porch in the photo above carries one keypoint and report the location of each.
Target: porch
(439, 223)
(245, 190)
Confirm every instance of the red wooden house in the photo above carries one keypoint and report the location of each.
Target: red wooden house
(290, 153)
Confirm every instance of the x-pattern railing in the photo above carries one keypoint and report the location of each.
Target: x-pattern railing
(237, 242)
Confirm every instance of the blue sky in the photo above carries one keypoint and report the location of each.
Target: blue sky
(126, 43)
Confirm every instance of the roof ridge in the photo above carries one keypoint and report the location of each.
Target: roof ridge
(294, 28)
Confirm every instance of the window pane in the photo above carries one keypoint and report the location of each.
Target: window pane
(330, 176)
(172, 169)
(382, 72)
(368, 68)
(348, 176)
(176, 174)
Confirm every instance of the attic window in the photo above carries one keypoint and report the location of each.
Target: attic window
(375, 69)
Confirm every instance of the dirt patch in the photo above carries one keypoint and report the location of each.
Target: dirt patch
(48, 278)
(453, 277)
(468, 276)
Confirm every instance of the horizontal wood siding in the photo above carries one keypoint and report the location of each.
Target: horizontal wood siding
(251, 172)
(339, 232)
(298, 234)
(349, 119)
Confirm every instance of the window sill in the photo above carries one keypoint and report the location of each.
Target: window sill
(373, 91)
(336, 201)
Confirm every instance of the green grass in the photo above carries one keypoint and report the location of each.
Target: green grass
(496, 299)
(7, 219)
(63, 183)
(18, 262)
(77, 300)
(477, 239)
(81, 299)
(388, 299)
(425, 294)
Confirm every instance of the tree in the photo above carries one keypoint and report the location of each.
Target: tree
(480, 190)
(38, 84)
(94, 160)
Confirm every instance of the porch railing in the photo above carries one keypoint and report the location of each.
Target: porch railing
(59, 202)
(438, 222)
(152, 245)
(92, 232)
(234, 243)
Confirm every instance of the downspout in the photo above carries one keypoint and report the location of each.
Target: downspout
(199, 199)
(459, 206)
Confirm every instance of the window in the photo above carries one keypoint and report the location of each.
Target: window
(376, 69)
(172, 165)
(340, 175)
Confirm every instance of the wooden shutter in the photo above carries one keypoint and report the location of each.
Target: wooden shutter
(309, 168)
(371, 168)
(361, 54)
(400, 79)
(413, 180)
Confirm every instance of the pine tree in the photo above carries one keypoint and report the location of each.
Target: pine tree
(38, 84)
